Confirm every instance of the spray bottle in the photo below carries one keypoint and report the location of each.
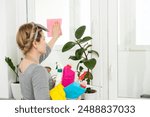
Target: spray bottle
(59, 74)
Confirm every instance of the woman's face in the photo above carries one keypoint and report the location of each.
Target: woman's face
(41, 45)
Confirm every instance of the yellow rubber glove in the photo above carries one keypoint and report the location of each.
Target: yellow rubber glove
(58, 93)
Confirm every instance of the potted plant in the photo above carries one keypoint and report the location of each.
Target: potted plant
(83, 56)
(15, 86)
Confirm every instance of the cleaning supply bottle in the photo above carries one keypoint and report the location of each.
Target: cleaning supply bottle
(58, 75)
(68, 76)
(54, 71)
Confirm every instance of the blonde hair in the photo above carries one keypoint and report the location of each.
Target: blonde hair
(25, 37)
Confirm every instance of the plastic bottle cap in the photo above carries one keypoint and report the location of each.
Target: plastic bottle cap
(59, 70)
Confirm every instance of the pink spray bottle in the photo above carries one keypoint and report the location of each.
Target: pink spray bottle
(68, 76)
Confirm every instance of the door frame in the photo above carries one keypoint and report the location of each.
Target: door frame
(113, 50)
(112, 45)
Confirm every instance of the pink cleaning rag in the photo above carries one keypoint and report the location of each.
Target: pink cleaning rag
(50, 23)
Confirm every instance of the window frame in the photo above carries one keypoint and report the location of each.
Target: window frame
(130, 24)
(74, 18)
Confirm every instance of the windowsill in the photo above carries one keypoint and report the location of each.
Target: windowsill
(135, 48)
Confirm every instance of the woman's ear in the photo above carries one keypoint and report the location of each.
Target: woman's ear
(35, 44)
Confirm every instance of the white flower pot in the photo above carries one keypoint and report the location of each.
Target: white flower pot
(90, 96)
(16, 91)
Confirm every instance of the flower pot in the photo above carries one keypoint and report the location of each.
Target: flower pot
(90, 96)
(16, 91)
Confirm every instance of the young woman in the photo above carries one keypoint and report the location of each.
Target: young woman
(34, 79)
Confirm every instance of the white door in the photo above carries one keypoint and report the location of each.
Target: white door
(129, 48)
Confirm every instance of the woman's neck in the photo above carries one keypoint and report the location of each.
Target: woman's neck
(32, 57)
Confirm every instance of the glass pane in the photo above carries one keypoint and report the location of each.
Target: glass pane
(73, 13)
(133, 65)
(85, 16)
(142, 22)
(53, 9)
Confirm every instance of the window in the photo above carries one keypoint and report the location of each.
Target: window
(72, 12)
(134, 25)
(142, 22)
(53, 9)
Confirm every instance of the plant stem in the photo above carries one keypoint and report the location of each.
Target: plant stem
(86, 57)
(83, 50)
(16, 75)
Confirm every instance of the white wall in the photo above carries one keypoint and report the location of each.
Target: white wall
(3, 68)
(7, 44)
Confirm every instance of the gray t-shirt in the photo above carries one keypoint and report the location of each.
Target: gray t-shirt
(35, 81)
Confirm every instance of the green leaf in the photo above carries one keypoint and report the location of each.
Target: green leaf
(78, 73)
(93, 51)
(90, 64)
(10, 63)
(88, 47)
(88, 76)
(82, 61)
(79, 53)
(88, 90)
(79, 32)
(91, 77)
(68, 46)
(85, 45)
(73, 58)
(81, 68)
(85, 39)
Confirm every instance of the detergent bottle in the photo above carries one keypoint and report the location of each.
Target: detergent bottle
(68, 76)
(59, 74)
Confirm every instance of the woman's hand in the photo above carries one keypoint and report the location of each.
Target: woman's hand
(56, 30)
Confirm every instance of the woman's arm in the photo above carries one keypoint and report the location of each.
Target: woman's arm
(55, 35)
(40, 83)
